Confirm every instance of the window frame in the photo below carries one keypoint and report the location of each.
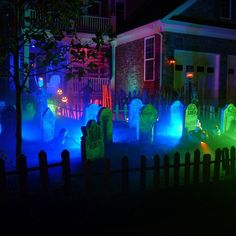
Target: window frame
(229, 15)
(149, 59)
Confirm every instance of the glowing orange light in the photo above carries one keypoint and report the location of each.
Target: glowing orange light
(59, 92)
(172, 61)
(64, 99)
(189, 75)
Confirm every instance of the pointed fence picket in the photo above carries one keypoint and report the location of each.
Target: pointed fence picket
(166, 172)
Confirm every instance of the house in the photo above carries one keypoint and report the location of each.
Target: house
(180, 48)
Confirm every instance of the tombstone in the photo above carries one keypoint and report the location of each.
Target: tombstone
(105, 121)
(228, 121)
(48, 125)
(8, 132)
(8, 123)
(53, 84)
(191, 118)
(176, 118)
(41, 103)
(91, 112)
(134, 110)
(147, 122)
(92, 145)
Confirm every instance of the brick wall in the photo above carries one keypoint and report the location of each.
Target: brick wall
(130, 67)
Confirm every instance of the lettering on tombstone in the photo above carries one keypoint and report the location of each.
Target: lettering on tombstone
(92, 145)
(191, 117)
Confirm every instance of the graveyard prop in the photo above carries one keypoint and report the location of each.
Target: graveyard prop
(91, 112)
(8, 123)
(48, 125)
(105, 122)
(177, 118)
(228, 121)
(147, 122)
(92, 145)
(190, 119)
(134, 110)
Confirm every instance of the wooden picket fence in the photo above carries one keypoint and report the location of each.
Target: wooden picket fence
(202, 170)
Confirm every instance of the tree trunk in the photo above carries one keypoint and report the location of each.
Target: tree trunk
(17, 79)
(18, 122)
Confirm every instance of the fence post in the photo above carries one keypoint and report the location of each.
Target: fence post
(156, 173)
(2, 176)
(88, 177)
(196, 166)
(166, 170)
(22, 173)
(225, 160)
(125, 174)
(125, 112)
(217, 165)
(106, 176)
(232, 160)
(206, 168)
(43, 169)
(143, 173)
(66, 172)
(176, 169)
(187, 169)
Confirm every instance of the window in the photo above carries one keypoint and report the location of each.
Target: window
(120, 12)
(200, 68)
(189, 68)
(178, 67)
(95, 9)
(225, 9)
(210, 70)
(149, 58)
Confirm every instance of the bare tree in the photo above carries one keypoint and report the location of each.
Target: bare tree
(45, 23)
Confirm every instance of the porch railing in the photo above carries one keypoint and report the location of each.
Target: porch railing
(95, 83)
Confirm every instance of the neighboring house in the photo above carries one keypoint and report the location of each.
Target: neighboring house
(180, 47)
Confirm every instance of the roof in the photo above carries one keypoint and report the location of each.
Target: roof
(151, 10)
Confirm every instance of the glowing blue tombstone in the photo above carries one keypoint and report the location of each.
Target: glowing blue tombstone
(48, 125)
(228, 121)
(177, 118)
(134, 110)
(53, 84)
(91, 112)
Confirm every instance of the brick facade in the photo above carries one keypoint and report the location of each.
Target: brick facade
(130, 67)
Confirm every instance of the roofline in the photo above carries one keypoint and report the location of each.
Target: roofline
(174, 26)
(180, 9)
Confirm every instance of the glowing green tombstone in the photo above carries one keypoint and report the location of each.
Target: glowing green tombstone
(191, 117)
(92, 145)
(228, 121)
(147, 121)
(105, 121)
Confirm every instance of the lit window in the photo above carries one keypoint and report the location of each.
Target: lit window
(149, 58)
(225, 9)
